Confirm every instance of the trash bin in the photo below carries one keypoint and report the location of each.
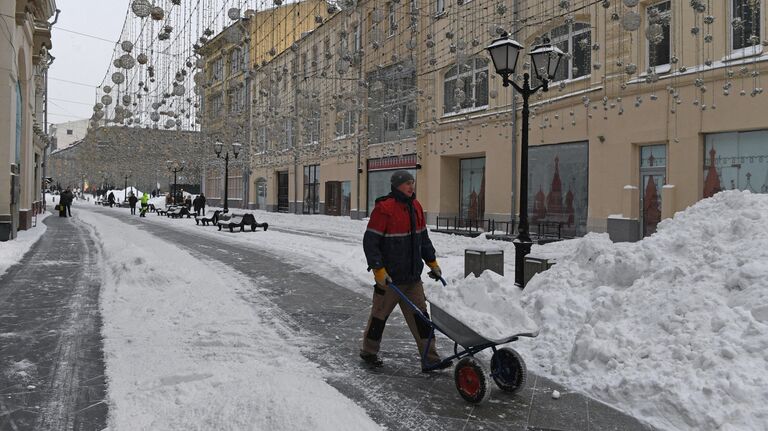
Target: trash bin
(534, 265)
(477, 260)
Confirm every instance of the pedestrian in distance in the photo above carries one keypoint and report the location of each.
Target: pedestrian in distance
(132, 200)
(66, 199)
(202, 204)
(196, 205)
(188, 203)
(395, 243)
(111, 199)
(144, 205)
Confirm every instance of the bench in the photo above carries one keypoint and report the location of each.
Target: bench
(240, 220)
(205, 220)
(178, 212)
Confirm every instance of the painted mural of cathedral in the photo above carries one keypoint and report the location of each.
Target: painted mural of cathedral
(558, 193)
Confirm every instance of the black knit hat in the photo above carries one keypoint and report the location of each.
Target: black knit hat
(400, 177)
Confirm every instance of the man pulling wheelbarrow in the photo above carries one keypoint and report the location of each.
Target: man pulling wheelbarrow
(395, 243)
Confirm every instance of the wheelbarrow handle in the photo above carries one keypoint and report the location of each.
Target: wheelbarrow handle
(442, 280)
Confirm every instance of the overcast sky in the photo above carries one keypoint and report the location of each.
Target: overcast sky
(81, 59)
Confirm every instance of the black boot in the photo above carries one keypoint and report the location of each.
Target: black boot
(439, 366)
(371, 359)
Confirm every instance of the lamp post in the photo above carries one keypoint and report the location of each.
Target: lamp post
(545, 59)
(218, 146)
(175, 167)
(125, 186)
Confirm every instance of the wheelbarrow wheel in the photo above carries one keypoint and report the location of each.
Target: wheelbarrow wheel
(508, 370)
(472, 381)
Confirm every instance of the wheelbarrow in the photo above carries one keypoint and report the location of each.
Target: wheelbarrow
(507, 367)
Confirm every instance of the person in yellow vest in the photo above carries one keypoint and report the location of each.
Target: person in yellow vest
(144, 205)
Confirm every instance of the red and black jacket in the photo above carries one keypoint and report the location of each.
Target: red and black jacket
(397, 238)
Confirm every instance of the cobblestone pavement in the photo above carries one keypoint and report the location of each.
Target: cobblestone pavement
(397, 395)
(51, 358)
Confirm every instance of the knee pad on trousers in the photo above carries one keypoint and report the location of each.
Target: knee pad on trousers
(423, 327)
(376, 329)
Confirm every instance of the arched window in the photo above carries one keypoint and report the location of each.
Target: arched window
(575, 40)
(466, 86)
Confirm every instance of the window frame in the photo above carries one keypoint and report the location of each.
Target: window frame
(471, 73)
(569, 36)
(663, 67)
(439, 8)
(749, 50)
(348, 125)
(391, 19)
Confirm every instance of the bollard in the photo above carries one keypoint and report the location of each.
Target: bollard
(477, 260)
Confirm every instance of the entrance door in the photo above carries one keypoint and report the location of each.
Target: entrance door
(653, 176)
(333, 198)
(282, 192)
(472, 183)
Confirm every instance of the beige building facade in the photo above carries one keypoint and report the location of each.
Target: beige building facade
(23, 64)
(227, 82)
(67, 133)
(656, 105)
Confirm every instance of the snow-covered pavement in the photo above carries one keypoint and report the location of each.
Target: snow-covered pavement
(671, 329)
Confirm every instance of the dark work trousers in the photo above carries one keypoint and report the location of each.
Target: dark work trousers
(69, 209)
(133, 209)
(384, 301)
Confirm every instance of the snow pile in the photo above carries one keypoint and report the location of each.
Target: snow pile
(673, 328)
(12, 251)
(488, 304)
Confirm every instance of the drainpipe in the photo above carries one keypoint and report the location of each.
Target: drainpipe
(46, 150)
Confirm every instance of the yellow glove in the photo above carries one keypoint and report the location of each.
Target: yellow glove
(435, 273)
(382, 278)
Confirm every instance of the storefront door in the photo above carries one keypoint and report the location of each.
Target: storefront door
(282, 192)
(653, 176)
(333, 198)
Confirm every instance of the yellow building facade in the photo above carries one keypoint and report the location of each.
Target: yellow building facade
(656, 105)
(24, 62)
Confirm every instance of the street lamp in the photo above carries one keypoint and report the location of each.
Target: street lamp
(125, 185)
(545, 60)
(175, 167)
(218, 146)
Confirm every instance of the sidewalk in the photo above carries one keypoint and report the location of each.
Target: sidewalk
(51, 360)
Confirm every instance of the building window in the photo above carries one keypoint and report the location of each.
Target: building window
(736, 161)
(235, 61)
(658, 37)
(472, 189)
(392, 106)
(439, 7)
(745, 23)
(558, 188)
(575, 40)
(261, 140)
(286, 141)
(235, 184)
(327, 51)
(413, 14)
(217, 103)
(466, 86)
(69, 131)
(236, 99)
(311, 189)
(218, 69)
(315, 57)
(358, 39)
(392, 18)
(380, 172)
(346, 124)
(312, 130)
